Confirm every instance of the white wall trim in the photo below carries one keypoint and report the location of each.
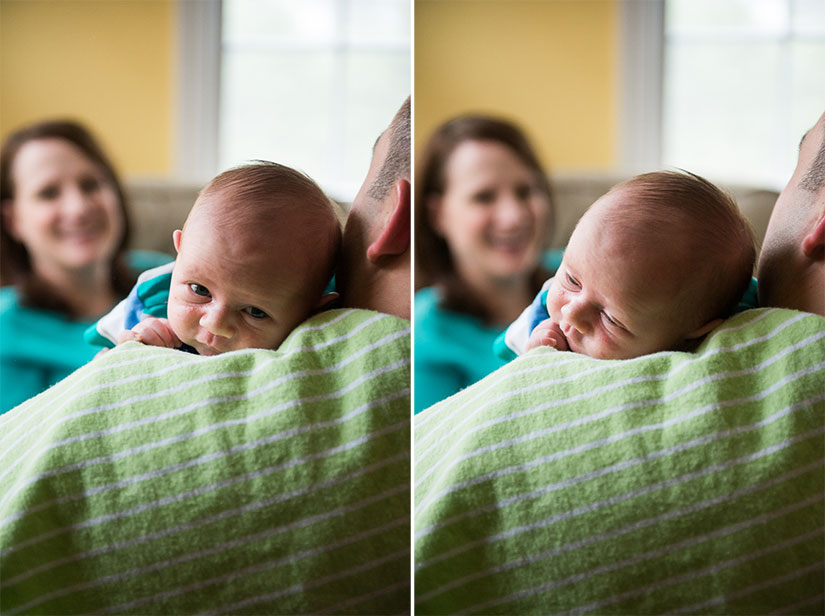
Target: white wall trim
(641, 74)
(198, 87)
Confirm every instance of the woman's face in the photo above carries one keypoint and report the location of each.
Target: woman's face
(492, 214)
(65, 211)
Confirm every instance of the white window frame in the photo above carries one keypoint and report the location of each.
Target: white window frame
(641, 82)
(198, 89)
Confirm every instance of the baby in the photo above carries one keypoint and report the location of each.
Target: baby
(653, 265)
(253, 261)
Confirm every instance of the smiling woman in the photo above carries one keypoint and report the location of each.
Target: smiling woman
(64, 230)
(483, 218)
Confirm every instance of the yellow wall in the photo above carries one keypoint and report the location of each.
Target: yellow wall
(108, 63)
(547, 64)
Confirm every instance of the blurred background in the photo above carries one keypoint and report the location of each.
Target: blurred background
(178, 90)
(724, 88)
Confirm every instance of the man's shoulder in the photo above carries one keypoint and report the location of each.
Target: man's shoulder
(763, 329)
(221, 438)
(757, 337)
(344, 326)
(573, 441)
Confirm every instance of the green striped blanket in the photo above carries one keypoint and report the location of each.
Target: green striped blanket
(674, 483)
(153, 481)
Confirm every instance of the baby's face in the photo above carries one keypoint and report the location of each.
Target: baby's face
(232, 293)
(612, 298)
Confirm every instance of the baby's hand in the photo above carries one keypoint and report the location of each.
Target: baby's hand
(547, 333)
(152, 331)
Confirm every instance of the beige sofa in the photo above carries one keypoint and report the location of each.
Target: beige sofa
(158, 207)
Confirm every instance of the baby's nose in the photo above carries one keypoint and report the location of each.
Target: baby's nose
(217, 320)
(578, 315)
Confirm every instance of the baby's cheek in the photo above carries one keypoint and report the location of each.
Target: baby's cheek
(555, 301)
(182, 318)
(610, 348)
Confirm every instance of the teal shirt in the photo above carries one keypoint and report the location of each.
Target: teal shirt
(453, 350)
(38, 348)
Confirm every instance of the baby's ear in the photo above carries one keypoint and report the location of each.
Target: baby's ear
(326, 300)
(176, 235)
(706, 328)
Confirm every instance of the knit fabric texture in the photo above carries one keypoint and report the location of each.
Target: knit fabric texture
(156, 482)
(680, 483)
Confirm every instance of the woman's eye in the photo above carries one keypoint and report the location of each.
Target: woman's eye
(485, 197)
(48, 193)
(524, 192)
(199, 289)
(89, 185)
(255, 313)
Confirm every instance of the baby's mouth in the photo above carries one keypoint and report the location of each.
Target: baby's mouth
(572, 335)
(207, 351)
(205, 348)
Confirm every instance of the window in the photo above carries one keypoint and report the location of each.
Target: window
(311, 84)
(743, 80)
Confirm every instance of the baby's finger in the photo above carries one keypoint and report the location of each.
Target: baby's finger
(162, 335)
(550, 339)
(126, 336)
(151, 337)
(560, 342)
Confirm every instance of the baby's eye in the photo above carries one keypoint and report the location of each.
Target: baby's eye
(610, 320)
(199, 289)
(613, 322)
(255, 313)
(572, 280)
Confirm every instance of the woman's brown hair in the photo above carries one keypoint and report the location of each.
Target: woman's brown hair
(15, 264)
(434, 264)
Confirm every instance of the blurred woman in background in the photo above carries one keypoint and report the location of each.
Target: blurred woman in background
(484, 216)
(63, 260)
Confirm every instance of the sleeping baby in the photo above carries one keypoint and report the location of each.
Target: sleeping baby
(254, 258)
(653, 265)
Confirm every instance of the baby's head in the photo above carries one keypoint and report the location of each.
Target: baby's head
(254, 257)
(653, 265)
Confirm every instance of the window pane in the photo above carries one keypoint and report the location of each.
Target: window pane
(376, 80)
(279, 20)
(685, 16)
(807, 101)
(714, 119)
(392, 15)
(808, 16)
(735, 105)
(266, 100)
(311, 84)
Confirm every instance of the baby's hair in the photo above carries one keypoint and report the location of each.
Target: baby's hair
(720, 241)
(262, 192)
